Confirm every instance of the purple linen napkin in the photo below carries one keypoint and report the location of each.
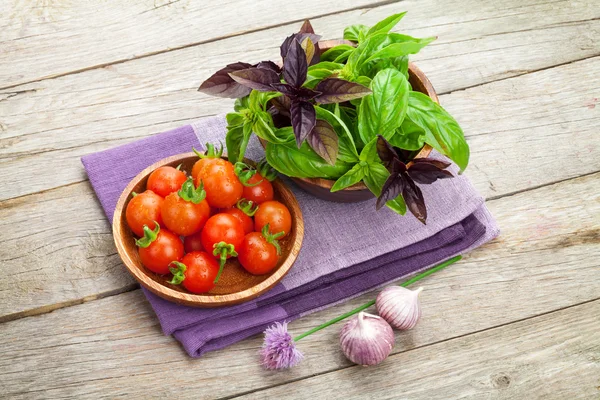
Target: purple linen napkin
(348, 249)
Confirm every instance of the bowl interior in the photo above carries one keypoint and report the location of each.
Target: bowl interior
(236, 284)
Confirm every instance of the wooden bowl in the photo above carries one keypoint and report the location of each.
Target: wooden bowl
(235, 285)
(320, 187)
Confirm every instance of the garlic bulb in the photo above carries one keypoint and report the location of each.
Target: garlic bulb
(399, 306)
(367, 339)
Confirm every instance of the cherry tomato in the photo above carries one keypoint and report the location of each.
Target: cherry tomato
(184, 217)
(257, 255)
(241, 216)
(260, 193)
(205, 166)
(222, 186)
(222, 228)
(142, 210)
(193, 242)
(197, 271)
(276, 215)
(164, 248)
(166, 180)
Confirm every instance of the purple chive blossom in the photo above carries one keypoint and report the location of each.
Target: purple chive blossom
(279, 350)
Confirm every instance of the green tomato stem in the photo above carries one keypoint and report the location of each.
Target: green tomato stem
(372, 302)
(149, 236)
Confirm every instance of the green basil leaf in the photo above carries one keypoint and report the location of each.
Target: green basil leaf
(258, 100)
(302, 162)
(362, 52)
(351, 177)
(264, 129)
(383, 111)
(375, 178)
(320, 71)
(371, 68)
(234, 119)
(343, 57)
(241, 104)
(236, 141)
(409, 136)
(354, 33)
(347, 148)
(399, 45)
(335, 52)
(442, 132)
(369, 152)
(386, 25)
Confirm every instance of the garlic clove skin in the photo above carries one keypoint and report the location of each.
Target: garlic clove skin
(399, 306)
(367, 339)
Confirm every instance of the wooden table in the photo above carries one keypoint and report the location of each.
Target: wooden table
(518, 318)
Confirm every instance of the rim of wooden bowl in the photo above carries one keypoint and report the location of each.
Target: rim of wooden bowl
(426, 88)
(121, 231)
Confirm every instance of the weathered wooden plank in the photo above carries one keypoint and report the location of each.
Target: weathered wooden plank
(560, 138)
(555, 356)
(92, 34)
(56, 121)
(545, 259)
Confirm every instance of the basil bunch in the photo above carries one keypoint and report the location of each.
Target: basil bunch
(348, 114)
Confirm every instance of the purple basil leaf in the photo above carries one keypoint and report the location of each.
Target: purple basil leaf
(282, 104)
(386, 152)
(414, 200)
(286, 89)
(324, 141)
(438, 163)
(295, 66)
(393, 186)
(285, 46)
(283, 49)
(222, 85)
(427, 173)
(256, 78)
(304, 118)
(334, 90)
(307, 28)
(269, 65)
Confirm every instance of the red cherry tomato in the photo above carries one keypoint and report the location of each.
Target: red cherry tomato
(205, 166)
(257, 255)
(142, 210)
(198, 270)
(276, 215)
(260, 193)
(222, 228)
(193, 242)
(164, 249)
(222, 186)
(165, 180)
(241, 216)
(184, 217)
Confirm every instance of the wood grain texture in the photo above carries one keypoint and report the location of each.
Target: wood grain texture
(555, 141)
(54, 122)
(93, 34)
(545, 259)
(236, 285)
(555, 356)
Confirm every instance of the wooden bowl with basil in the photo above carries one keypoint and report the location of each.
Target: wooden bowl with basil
(348, 119)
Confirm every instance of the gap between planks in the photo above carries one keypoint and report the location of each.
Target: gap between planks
(215, 39)
(129, 288)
